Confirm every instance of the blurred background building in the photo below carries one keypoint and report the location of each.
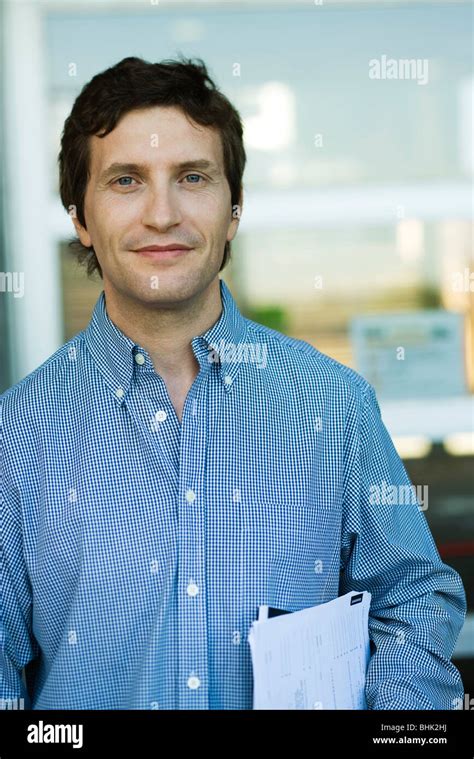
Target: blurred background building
(356, 232)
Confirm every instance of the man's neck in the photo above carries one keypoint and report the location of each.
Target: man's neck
(166, 333)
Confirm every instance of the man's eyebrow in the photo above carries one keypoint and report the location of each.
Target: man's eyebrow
(142, 168)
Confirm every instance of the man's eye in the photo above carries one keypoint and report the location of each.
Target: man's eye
(194, 175)
(127, 184)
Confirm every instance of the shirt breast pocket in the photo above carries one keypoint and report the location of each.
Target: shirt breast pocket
(285, 554)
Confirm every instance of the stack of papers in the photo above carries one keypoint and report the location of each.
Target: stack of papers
(315, 658)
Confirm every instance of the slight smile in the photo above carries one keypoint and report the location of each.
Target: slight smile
(162, 253)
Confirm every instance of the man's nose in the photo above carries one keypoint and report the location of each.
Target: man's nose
(162, 207)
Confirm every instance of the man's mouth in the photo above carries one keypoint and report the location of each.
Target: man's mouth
(160, 253)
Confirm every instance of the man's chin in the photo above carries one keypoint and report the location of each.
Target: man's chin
(164, 290)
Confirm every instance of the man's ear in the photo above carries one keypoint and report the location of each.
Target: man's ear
(236, 214)
(241, 200)
(82, 232)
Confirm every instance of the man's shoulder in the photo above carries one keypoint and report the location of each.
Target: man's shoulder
(306, 359)
(45, 382)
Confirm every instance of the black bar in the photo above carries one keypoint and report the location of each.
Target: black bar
(318, 733)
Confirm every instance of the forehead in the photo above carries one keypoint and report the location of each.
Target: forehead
(160, 135)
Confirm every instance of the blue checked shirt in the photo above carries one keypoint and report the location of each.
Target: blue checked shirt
(136, 549)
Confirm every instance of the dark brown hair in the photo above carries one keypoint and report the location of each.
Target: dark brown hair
(131, 84)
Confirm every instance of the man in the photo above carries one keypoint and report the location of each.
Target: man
(175, 465)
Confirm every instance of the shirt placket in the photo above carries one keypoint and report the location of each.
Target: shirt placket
(193, 689)
(159, 417)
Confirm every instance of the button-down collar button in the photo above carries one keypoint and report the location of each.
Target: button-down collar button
(119, 392)
(139, 359)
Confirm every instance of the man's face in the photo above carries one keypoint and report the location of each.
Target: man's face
(168, 187)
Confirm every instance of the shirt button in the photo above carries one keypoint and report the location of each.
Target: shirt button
(192, 589)
(193, 682)
(228, 379)
(119, 392)
(190, 496)
(161, 415)
(140, 359)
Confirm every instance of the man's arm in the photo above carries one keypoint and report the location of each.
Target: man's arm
(418, 603)
(17, 644)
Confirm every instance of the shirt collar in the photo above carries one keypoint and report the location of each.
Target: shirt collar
(117, 356)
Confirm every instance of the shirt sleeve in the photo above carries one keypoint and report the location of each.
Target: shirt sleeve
(17, 644)
(418, 603)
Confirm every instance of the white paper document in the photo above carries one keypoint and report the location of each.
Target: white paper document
(315, 658)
